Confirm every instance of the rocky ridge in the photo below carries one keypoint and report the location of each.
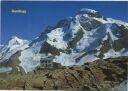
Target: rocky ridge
(101, 75)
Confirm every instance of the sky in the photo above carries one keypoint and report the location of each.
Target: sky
(40, 14)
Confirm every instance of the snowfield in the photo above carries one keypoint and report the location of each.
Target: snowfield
(55, 38)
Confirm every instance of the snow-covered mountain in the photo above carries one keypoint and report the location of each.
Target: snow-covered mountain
(15, 44)
(85, 37)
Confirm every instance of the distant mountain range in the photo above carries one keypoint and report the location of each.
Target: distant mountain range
(85, 37)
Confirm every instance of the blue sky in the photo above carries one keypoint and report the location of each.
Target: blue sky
(41, 14)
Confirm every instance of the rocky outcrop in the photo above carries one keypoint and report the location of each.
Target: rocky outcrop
(100, 74)
(13, 62)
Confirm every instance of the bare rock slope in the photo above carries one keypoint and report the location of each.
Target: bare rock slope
(100, 74)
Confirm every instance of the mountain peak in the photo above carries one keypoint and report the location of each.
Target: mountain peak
(15, 41)
(15, 38)
(14, 45)
(90, 12)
